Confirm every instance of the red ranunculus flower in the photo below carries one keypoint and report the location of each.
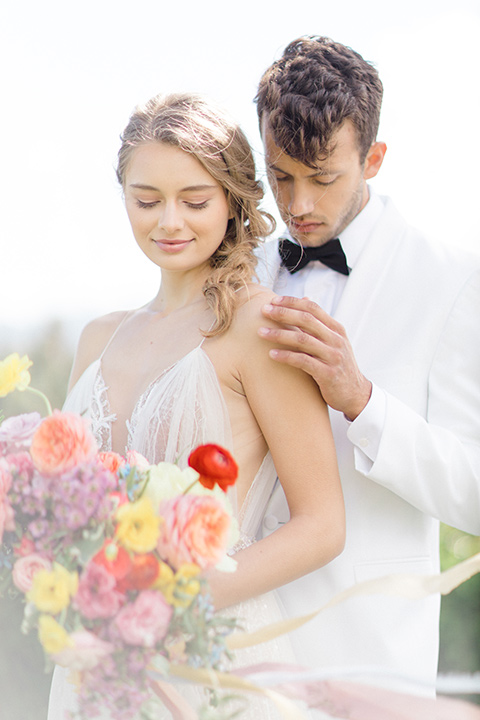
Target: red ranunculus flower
(143, 572)
(114, 558)
(215, 465)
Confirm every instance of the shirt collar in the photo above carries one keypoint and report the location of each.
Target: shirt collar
(355, 235)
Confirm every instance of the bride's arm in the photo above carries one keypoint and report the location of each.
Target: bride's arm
(294, 421)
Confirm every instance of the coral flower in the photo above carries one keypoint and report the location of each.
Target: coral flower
(52, 590)
(111, 461)
(143, 573)
(215, 466)
(138, 526)
(14, 374)
(195, 530)
(114, 558)
(53, 637)
(62, 441)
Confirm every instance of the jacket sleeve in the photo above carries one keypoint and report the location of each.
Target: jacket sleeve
(434, 462)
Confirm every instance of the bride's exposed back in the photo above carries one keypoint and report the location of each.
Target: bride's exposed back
(190, 367)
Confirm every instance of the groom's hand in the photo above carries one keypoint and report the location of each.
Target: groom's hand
(313, 341)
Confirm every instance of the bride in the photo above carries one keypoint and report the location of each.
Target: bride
(190, 366)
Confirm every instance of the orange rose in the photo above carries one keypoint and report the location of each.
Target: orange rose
(215, 465)
(61, 442)
(196, 529)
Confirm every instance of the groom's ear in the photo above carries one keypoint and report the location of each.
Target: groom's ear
(374, 159)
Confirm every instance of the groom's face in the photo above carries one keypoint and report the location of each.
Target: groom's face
(317, 203)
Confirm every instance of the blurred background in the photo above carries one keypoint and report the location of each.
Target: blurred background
(71, 75)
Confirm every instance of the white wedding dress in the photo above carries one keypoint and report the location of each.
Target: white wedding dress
(184, 407)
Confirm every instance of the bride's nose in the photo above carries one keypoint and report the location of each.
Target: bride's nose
(170, 218)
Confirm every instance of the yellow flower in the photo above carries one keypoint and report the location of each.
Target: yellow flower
(53, 637)
(183, 587)
(165, 576)
(52, 590)
(138, 527)
(14, 374)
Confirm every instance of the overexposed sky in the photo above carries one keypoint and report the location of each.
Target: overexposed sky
(72, 73)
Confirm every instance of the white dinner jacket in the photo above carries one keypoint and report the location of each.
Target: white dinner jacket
(412, 313)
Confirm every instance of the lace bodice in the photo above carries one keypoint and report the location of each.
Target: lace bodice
(182, 408)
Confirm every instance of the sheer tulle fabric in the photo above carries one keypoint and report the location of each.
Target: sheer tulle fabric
(182, 408)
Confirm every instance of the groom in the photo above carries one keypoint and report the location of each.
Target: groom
(393, 342)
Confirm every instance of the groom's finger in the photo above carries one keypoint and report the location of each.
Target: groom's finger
(302, 313)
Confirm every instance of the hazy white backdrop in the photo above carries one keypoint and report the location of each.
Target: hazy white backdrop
(72, 73)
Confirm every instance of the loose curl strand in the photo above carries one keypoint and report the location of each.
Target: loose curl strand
(192, 124)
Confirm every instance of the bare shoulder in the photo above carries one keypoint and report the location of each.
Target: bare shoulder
(97, 333)
(249, 315)
(93, 339)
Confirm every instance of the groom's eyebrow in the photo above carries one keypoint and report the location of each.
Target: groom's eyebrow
(319, 171)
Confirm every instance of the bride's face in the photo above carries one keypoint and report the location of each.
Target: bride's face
(177, 211)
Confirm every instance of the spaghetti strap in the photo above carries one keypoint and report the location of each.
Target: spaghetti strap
(128, 313)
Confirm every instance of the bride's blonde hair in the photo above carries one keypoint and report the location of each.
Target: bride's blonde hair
(195, 126)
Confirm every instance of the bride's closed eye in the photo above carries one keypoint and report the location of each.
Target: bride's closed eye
(142, 204)
(197, 206)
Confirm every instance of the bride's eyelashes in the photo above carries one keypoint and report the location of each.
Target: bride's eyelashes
(195, 206)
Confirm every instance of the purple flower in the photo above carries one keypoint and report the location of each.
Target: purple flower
(78, 495)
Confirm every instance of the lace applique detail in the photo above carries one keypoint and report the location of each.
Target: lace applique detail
(243, 542)
(100, 415)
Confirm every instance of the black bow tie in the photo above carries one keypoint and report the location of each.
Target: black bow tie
(295, 257)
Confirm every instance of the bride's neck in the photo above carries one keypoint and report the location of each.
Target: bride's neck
(177, 291)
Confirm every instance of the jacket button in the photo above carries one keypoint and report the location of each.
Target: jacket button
(270, 522)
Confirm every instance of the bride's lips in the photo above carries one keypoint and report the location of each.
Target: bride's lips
(172, 246)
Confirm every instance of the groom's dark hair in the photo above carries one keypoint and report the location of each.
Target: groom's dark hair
(311, 90)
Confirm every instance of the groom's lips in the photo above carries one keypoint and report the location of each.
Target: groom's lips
(304, 227)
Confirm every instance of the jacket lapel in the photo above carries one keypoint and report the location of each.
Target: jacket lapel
(373, 268)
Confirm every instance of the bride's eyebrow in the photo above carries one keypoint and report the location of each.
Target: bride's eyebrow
(190, 188)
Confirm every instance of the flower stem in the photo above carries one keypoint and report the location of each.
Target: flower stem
(191, 486)
(44, 398)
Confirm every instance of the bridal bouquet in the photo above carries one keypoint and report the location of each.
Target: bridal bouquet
(109, 553)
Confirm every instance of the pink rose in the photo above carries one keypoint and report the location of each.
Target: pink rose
(62, 441)
(97, 596)
(145, 621)
(25, 569)
(195, 530)
(87, 652)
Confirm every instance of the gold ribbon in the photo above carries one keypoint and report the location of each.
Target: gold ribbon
(413, 587)
(406, 585)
